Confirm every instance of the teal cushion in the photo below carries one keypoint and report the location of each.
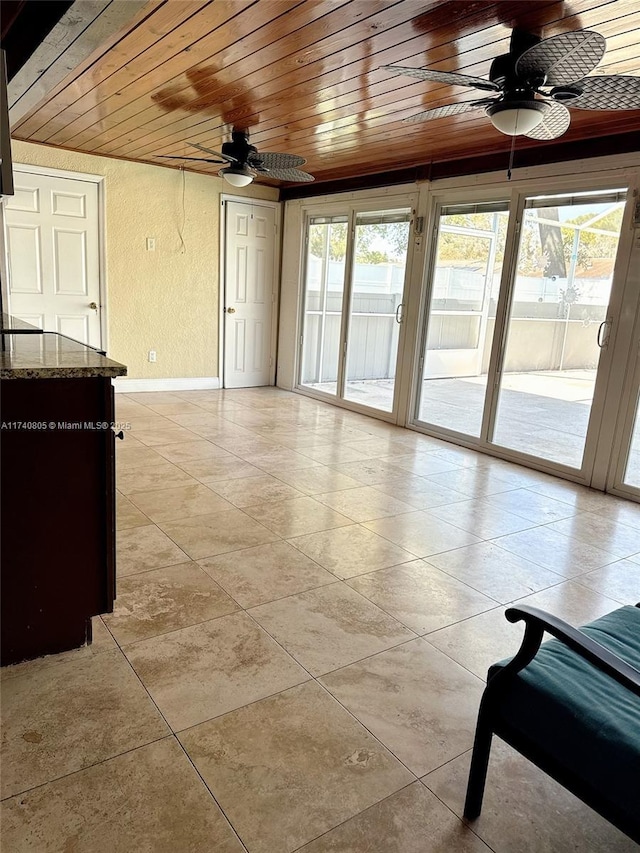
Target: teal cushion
(571, 710)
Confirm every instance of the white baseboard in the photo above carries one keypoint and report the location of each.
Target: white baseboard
(125, 385)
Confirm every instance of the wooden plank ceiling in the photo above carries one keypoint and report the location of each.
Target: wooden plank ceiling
(304, 76)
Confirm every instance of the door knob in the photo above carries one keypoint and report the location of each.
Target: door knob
(231, 310)
(93, 306)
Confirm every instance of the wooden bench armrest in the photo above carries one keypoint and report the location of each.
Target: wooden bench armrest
(537, 622)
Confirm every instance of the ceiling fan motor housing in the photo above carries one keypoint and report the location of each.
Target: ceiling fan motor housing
(240, 148)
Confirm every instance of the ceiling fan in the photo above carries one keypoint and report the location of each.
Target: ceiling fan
(244, 163)
(554, 69)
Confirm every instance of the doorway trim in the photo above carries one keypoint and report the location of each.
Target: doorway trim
(276, 206)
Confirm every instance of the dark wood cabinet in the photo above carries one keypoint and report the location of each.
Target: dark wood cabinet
(58, 512)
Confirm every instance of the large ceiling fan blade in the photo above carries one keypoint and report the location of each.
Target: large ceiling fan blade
(609, 92)
(562, 59)
(288, 175)
(226, 158)
(273, 160)
(555, 122)
(449, 110)
(447, 77)
(196, 159)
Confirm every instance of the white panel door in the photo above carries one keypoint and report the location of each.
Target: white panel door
(52, 244)
(249, 294)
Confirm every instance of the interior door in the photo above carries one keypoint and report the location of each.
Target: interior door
(250, 234)
(53, 254)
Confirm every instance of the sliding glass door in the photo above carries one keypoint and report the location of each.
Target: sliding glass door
(355, 274)
(375, 313)
(323, 300)
(557, 324)
(510, 357)
(465, 282)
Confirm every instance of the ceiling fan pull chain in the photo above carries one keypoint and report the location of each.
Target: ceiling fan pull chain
(513, 146)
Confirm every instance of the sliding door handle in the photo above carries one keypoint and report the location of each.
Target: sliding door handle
(400, 313)
(602, 338)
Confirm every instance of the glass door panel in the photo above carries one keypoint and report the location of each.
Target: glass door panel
(557, 324)
(464, 292)
(323, 301)
(378, 277)
(632, 470)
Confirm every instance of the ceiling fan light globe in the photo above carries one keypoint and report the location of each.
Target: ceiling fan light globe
(237, 176)
(515, 118)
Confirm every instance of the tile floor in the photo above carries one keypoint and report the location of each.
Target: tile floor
(308, 602)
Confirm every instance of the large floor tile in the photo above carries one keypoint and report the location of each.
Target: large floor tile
(180, 502)
(562, 554)
(416, 700)
(420, 492)
(524, 810)
(313, 481)
(206, 670)
(297, 516)
(185, 451)
(135, 456)
(620, 539)
(219, 468)
(494, 571)
(474, 481)
(481, 518)
(411, 821)
(422, 464)
(333, 454)
(487, 638)
(146, 478)
(264, 573)
(164, 600)
(480, 641)
(291, 767)
(330, 627)
(350, 551)
(364, 503)
(66, 717)
(619, 581)
(277, 459)
(128, 515)
(150, 799)
(177, 407)
(208, 535)
(421, 534)
(536, 508)
(369, 472)
(420, 596)
(162, 433)
(143, 548)
(247, 491)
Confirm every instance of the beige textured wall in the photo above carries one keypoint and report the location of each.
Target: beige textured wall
(166, 300)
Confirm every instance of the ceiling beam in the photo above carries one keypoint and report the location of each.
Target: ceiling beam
(621, 143)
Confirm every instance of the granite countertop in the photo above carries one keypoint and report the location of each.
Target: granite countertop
(51, 356)
(14, 325)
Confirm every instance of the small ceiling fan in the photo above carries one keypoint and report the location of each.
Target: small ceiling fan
(244, 163)
(554, 69)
